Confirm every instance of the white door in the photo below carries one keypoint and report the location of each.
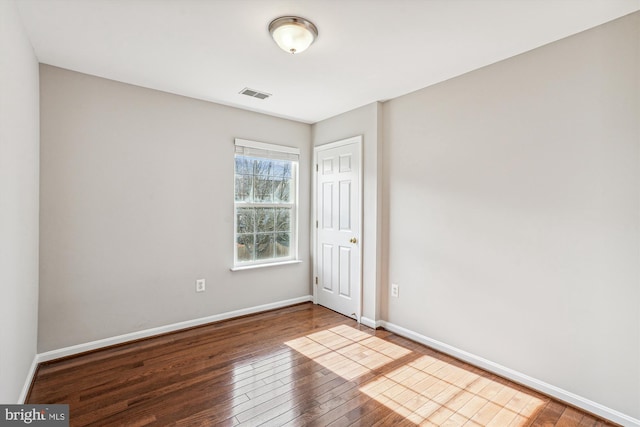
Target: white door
(338, 212)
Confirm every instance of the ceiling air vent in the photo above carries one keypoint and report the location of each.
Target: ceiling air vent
(254, 93)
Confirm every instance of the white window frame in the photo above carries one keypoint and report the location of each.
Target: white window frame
(274, 152)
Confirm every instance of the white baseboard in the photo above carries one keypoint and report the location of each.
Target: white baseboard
(369, 322)
(518, 377)
(28, 380)
(106, 342)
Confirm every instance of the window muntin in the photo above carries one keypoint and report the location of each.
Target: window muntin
(265, 205)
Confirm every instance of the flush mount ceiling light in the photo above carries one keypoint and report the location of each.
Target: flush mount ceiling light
(292, 33)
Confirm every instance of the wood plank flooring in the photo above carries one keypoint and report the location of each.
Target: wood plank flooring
(301, 365)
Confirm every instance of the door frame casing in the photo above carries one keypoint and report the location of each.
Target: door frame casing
(357, 140)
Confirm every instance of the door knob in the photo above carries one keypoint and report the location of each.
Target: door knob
(353, 240)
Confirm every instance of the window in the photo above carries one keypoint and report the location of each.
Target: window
(266, 182)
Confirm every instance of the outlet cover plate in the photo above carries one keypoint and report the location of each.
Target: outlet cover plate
(395, 290)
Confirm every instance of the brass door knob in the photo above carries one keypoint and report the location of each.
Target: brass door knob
(353, 240)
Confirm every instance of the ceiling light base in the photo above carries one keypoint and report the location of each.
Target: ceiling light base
(292, 33)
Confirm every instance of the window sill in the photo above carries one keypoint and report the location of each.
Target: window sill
(271, 264)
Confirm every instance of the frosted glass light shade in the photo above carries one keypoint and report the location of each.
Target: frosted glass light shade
(293, 34)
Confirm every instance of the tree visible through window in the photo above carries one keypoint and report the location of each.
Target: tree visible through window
(265, 209)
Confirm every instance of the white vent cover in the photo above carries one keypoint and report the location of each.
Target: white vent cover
(254, 93)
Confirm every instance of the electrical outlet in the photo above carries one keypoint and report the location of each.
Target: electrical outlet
(200, 285)
(395, 290)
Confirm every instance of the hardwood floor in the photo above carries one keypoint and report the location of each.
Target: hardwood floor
(301, 365)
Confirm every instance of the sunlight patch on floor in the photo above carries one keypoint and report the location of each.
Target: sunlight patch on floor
(429, 391)
(425, 390)
(346, 351)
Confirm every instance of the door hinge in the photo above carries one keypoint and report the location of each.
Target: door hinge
(316, 167)
(316, 280)
(316, 223)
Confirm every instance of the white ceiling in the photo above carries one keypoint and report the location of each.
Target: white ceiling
(367, 50)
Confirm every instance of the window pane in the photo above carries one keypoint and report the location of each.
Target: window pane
(279, 168)
(245, 247)
(243, 188)
(285, 172)
(283, 244)
(262, 167)
(264, 246)
(281, 191)
(244, 165)
(245, 220)
(265, 220)
(263, 189)
(283, 221)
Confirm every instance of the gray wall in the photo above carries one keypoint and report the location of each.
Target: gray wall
(365, 121)
(514, 224)
(19, 153)
(137, 203)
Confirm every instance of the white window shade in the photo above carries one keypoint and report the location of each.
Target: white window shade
(270, 151)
